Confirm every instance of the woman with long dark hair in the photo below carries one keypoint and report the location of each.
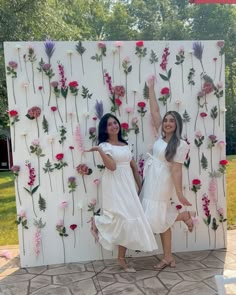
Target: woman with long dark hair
(163, 178)
(122, 222)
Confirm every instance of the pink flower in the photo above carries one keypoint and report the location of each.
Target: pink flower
(93, 202)
(220, 44)
(60, 223)
(129, 110)
(63, 204)
(54, 84)
(101, 44)
(12, 64)
(34, 112)
(141, 104)
(22, 214)
(198, 134)
(119, 43)
(96, 181)
(215, 59)
(220, 85)
(71, 147)
(6, 254)
(36, 142)
(40, 88)
(220, 211)
(134, 120)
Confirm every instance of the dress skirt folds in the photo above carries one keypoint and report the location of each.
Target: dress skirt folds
(158, 188)
(122, 221)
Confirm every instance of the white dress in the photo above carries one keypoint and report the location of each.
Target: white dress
(122, 221)
(158, 187)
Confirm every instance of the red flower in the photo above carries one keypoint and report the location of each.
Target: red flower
(178, 207)
(40, 88)
(141, 104)
(119, 91)
(223, 162)
(118, 102)
(34, 112)
(13, 113)
(53, 109)
(101, 44)
(59, 157)
(196, 181)
(73, 226)
(165, 91)
(139, 43)
(207, 87)
(71, 147)
(73, 84)
(203, 115)
(95, 118)
(125, 126)
(215, 59)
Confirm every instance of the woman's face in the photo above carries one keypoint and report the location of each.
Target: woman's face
(169, 124)
(112, 127)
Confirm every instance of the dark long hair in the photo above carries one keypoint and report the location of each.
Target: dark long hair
(102, 129)
(175, 138)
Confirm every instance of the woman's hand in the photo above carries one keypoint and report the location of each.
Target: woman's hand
(151, 81)
(92, 149)
(184, 201)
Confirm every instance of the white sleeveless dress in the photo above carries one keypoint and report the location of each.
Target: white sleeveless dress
(122, 221)
(158, 187)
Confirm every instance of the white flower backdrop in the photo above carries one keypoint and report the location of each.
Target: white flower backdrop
(57, 93)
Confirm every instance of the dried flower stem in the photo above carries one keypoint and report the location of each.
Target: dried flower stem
(13, 89)
(23, 240)
(74, 238)
(58, 110)
(18, 52)
(84, 184)
(73, 204)
(32, 69)
(37, 123)
(64, 251)
(55, 120)
(196, 204)
(18, 192)
(77, 116)
(26, 70)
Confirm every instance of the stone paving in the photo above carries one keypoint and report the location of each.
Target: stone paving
(194, 274)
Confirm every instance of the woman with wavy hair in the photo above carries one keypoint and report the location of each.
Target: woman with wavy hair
(163, 177)
(122, 222)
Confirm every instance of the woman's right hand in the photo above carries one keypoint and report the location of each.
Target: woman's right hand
(184, 201)
(151, 81)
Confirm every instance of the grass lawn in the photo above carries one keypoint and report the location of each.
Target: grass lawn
(8, 228)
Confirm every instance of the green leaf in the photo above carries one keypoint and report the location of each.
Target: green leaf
(163, 77)
(169, 73)
(45, 124)
(204, 162)
(42, 203)
(35, 189)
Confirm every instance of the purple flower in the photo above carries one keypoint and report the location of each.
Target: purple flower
(49, 48)
(99, 109)
(198, 50)
(46, 67)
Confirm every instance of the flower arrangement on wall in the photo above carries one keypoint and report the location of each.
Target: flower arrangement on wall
(67, 87)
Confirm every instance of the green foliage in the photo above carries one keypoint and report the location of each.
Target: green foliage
(45, 124)
(42, 203)
(204, 162)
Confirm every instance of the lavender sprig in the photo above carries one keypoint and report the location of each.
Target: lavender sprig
(49, 46)
(99, 109)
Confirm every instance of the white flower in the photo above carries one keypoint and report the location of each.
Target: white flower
(86, 114)
(223, 110)
(51, 139)
(24, 133)
(178, 101)
(70, 52)
(190, 51)
(114, 51)
(18, 46)
(25, 84)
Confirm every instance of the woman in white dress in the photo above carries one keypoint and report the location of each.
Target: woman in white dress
(163, 178)
(122, 222)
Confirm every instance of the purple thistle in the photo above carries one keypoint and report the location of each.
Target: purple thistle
(197, 52)
(99, 109)
(49, 48)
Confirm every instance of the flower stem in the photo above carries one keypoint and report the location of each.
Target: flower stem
(73, 203)
(199, 164)
(18, 51)
(13, 90)
(72, 159)
(214, 238)
(33, 205)
(50, 91)
(126, 86)
(196, 203)
(55, 120)
(211, 159)
(66, 109)
(195, 232)
(220, 68)
(136, 146)
(70, 65)
(37, 123)
(27, 145)
(81, 217)
(23, 240)
(223, 184)
(64, 251)
(62, 175)
(102, 71)
(38, 169)
(223, 233)
(195, 123)
(142, 128)
(50, 181)
(209, 237)
(18, 193)
(82, 62)
(42, 100)
(14, 138)
(26, 71)
(182, 75)
(139, 70)
(204, 126)
(218, 102)
(74, 239)
(77, 117)
(32, 68)
(58, 110)
(84, 184)
(186, 239)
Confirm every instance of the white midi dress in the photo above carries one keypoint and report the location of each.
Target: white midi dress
(122, 221)
(158, 188)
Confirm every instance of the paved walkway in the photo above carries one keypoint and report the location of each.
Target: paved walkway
(194, 274)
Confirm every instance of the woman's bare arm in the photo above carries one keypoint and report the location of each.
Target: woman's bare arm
(154, 107)
(107, 159)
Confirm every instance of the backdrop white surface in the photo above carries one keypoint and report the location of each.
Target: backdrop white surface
(184, 97)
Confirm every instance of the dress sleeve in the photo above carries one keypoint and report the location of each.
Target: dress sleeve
(181, 152)
(106, 147)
